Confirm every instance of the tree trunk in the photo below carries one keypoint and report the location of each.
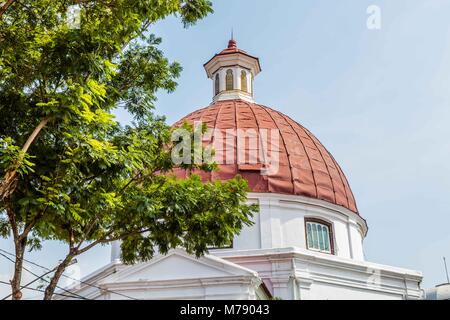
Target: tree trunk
(16, 280)
(7, 187)
(50, 290)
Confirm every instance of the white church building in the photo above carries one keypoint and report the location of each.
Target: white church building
(307, 239)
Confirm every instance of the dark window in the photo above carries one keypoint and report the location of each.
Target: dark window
(217, 85)
(229, 80)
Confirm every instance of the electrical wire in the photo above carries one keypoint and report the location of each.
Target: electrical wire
(29, 283)
(74, 279)
(39, 290)
(34, 274)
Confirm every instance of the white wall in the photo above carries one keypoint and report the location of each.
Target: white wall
(300, 274)
(281, 223)
(237, 93)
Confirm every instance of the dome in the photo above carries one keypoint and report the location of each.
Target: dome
(305, 167)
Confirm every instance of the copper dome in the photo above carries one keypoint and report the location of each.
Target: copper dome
(306, 168)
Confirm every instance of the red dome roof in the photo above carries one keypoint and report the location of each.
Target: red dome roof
(305, 167)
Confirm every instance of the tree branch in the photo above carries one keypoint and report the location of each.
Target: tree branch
(32, 223)
(12, 222)
(55, 279)
(130, 182)
(8, 183)
(107, 240)
(6, 6)
(35, 133)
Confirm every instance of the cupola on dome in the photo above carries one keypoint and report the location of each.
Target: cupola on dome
(304, 167)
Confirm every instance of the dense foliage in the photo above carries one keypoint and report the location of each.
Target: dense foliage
(69, 171)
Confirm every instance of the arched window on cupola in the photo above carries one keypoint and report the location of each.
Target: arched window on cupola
(217, 85)
(244, 86)
(229, 80)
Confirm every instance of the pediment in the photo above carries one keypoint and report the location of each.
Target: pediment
(177, 265)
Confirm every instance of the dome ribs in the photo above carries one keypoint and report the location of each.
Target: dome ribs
(265, 121)
(320, 167)
(213, 138)
(306, 167)
(341, 189)
(226, 120)
(348, 191)
(206, 113)
(304, 181)
(246, 120)
(258, 134)
(277, 181)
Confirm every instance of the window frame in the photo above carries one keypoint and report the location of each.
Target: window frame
(229, 80)
(217, 84)
(330, 235)
(244, 81)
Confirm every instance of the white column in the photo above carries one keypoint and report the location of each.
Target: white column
(236, 79)
(214, 84)
(222, 76)
(115, 251)
(282, 287)
(355, 240)
(271, 236)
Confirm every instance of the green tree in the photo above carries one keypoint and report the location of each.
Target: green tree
(68, 170)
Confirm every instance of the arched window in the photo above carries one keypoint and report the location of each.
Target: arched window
(229, 80)
(319, 235)
(217, 85)
(244, 86)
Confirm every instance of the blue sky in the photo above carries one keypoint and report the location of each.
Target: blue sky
(379, 100)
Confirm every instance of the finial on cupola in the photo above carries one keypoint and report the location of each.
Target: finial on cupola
(232, 43)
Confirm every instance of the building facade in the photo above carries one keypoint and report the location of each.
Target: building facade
(307, 239)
